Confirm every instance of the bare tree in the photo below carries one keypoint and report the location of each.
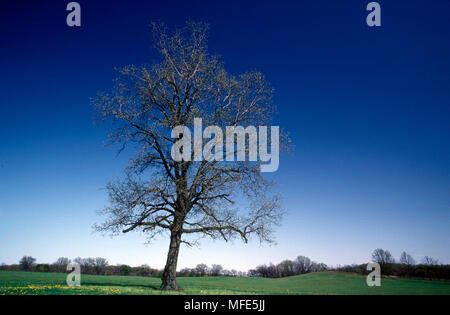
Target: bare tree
(216, 270)
(185, 198)
(100, 264)
(384, 258)
(87, 264)
(27, 263)
(407, 259)
(62, 261)
(286, 268)
(201, 270)
(61, 264)
(430, 261)
(302, 265)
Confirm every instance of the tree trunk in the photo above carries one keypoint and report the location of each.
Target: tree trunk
(170, 271)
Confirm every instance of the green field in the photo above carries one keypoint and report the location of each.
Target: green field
(25, 283)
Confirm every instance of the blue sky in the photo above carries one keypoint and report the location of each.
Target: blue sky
(368, 110)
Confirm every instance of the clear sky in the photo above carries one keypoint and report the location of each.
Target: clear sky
(368, 110)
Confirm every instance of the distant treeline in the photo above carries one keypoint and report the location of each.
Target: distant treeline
(287, 268)
(405, 266)
(100, 266)
(399, 270)
(93, 266)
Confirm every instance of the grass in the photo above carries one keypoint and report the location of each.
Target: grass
(36, 283)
